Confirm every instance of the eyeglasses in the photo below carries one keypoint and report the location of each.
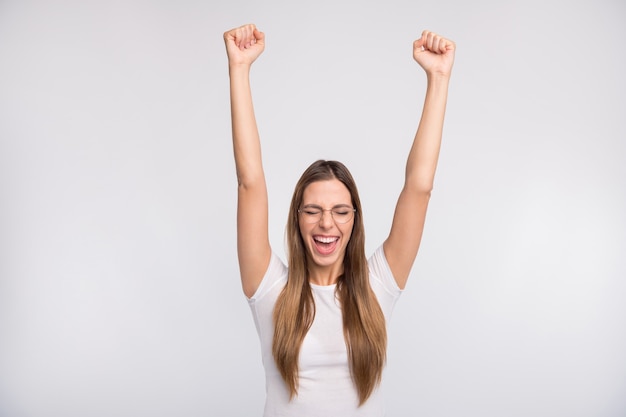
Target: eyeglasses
(340, 214)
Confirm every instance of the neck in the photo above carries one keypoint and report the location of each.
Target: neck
(324, 275)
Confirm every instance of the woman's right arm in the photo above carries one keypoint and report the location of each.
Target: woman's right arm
(243, 45)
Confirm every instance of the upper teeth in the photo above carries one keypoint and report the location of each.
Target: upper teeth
(326, 239)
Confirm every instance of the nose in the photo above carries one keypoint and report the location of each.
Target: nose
(326, 221)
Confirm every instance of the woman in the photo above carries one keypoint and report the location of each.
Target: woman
(322, 321)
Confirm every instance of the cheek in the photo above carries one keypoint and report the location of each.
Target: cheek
(347, 232)
(303, 230)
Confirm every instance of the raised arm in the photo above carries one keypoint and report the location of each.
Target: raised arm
(435, 55)
(243, 46)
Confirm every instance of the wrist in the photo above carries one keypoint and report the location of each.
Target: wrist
(239, 67)
(438, 78)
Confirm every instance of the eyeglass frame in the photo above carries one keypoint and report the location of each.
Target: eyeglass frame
(332, 216)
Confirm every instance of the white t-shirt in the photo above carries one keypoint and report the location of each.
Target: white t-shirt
(325, 385)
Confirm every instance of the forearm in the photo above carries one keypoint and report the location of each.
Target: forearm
(424, 154)
(246, 142)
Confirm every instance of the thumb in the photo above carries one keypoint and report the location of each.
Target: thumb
(418, 45)
(259, 36)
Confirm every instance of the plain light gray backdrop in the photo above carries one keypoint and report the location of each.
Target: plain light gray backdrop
(119, 286)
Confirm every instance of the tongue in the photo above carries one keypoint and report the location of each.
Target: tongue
(325, 248)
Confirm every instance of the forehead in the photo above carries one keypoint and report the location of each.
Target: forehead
(326, 193)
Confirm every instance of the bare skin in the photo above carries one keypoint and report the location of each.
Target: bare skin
(244, 44)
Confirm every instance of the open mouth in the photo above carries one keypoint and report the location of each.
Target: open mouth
(325, 244)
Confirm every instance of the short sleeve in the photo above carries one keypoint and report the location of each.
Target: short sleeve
(262, 303)
(382, 281)
(276, 273)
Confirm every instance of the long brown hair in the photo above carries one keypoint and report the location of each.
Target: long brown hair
(363, 321)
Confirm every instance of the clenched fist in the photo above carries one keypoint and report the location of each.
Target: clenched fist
(244, 44)
(434, 53)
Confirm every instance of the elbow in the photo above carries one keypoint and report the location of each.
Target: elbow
(418, 194)
(250, 182)
(419, 187)
(424, 194)
(425, 189)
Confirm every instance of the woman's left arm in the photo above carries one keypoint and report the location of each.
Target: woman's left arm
(435, 55)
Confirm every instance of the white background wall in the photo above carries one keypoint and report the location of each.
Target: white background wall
(119, 288)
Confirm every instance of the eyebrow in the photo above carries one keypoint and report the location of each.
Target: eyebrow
(335, 206)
